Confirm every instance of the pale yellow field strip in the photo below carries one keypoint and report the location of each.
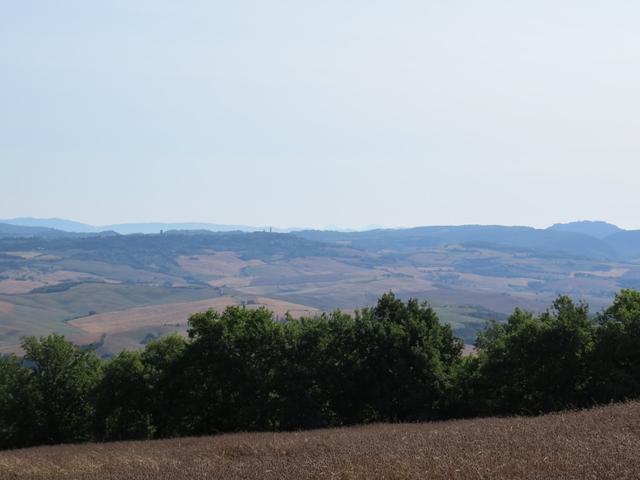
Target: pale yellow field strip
(221, 263)
(6, 307)
(173, 314)
(613, 273)
(25, 255)
(12, 348)
(12, 287)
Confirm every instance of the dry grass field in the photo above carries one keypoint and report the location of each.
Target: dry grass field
(6, 307)
(12, 286)
(135, 288)
(597, 444)
(176, 313)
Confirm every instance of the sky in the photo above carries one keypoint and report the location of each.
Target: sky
(307, 114)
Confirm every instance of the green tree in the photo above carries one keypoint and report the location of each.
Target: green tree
(64, 378)
(536, 364)
(18, 427)
(312, 372)
(245, 370)
(168, 385)
(616, 356)
(405, 361)
(122, 400)
(231, 363)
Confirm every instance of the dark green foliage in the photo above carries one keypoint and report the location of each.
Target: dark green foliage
(244, 370)
(534, 364)
(390, 363)
(18, 427)
(403, 360)
(616, 358)
(230, 364)
(121, 401)
(311, 376)
(165, 366)
(64, 379)
(466, 398)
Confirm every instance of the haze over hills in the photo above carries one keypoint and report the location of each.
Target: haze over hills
(569, 239)
(19, 231)
(596, 229)
(155, 227)
(124, 228)
(121, 289)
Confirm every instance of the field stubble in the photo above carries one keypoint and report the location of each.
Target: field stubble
(602, 443)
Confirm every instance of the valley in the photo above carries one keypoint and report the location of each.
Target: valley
(119, 291)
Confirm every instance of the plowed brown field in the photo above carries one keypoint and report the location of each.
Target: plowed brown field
(602, 443)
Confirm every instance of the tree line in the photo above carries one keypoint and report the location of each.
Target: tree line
(244, 370)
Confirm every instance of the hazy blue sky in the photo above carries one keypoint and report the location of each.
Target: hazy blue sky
(308, 113)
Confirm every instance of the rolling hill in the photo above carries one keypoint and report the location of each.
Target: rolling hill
(124, 228)
(19, 231)
(513, 238)
(52, 280)
(596, 229)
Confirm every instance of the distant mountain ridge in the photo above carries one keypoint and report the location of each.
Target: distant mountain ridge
(152, 227)
(471, 273)
(597, 229)
(576, 239)
(11, 231)
(551, 241)
(52, 223)
(125, 228)
(22, 231)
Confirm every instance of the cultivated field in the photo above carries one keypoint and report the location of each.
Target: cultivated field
(597, 444)
(125, 329)
(177, 314)
(123, 290)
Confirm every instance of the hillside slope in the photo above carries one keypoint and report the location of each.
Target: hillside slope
(18, 231)
(597, 229)
(525, 239)
(469, 274)
(595, 444)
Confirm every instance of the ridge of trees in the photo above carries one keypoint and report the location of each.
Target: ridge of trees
(243, 370)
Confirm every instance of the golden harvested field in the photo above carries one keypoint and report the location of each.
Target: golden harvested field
(598, 444)
(34, 280)
(12, 287)
(6, 307)
(26, 255)
(220, 263)
(175, 313)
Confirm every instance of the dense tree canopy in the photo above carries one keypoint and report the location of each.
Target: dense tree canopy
(616, 354)
(534, 364)
(243, 369)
